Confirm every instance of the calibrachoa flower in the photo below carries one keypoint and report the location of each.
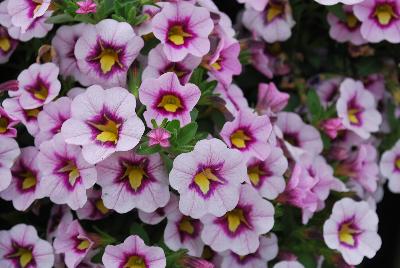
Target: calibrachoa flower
(133, 253)
(239, 229)
(379, 20)
(165, 97)
(60, 217)
(266, 176)
(333, 2)
(94, 208)
(159, 136)
(270, 100)
(64, 174)
(249, 134)
(159, 64)
(390, 167)
(51, 118)
(273, 24)
(25, 179)
(332, 126)
(375, 83)
(297, 135)
(288, 264)
(328, 90)
(267, 251)
(21, 247)
(347, 30)
(233, 97)
(183, 232)
(74, 243)
(9, 151)
(7, 124)
(160, 214)
(104, 56)
(208, 179)
(357, 108)
(183, 29)
(24, 12)
(29, 117)
(7, 44)
(38, 85)
(352, 230)
(86, 7)
(132, 181)
(103, 122)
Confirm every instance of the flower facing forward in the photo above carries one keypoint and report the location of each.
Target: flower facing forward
(64, 174)
(132, 181)
(352, 230)
(183, 29)
(7, 124)
(239, 229)
(390, 167)
(357, 108)
(9, 151)
(103, 122)
(86, 7)
(133, 252)
(21, 247)
(74, 243)
(104, 56)
(208, 179)
(249, 134)
(165, 97)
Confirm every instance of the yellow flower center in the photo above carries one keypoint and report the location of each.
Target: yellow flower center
(235, 219)
(109, 131)
(170, 103)
(135, 262)
(29, 180)
(352, 115)
(108, 57)
(385, 13)
(100, 207)
(216, 65)
(255, 174)
(73, 172)
(274, 10)
(347, 234)
(135, 174)
(398, 163)
(32, 113)
(351, 21)
(186, 226)
(24, 256)
(239, 139)
(40, 91)
(204, 179)
(84, 244)
(5, 44)
(3, 125)
(173, 68)
(177, 35)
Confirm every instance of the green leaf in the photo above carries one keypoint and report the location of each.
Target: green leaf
(138, 229)
(61, 18)
(197, 76)
(315, 107)
(98, 257)
(173, 126)
(144, 149)
(167, 162)
(187, 133)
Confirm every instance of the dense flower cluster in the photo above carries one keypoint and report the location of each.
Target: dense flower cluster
(131, 143)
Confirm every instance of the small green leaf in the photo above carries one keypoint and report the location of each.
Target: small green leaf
(61, 18)
(315, 107)
(173, 126)
(138, 229)
(187, 133)
(197, 76)
(144, 149)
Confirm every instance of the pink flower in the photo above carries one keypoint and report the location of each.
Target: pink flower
(7, 44)
(288, 264)
(390, 167)
(266, 176)
(208, 179)
(333, 2)
(375, 83)
(104, 56)
(64, 174)
(159, 64)
(233, 97)
(267, 251)
(25, 12)
(249, 134)
(7, 125)
(29, 117)
(133, 252)
(347, 30)
(86, 7)
(165, 97)
(74, 243)
(380, 20)
(270, 100)
(25, 179)
(328, 90)
(159, 214)
(159, 136)
(240, 228)
(258, 5)
(272, 24)
(51, 118)
(183, 29)
(332, 126)
(357, 109)
(103, 122)
(94, 208)
(38, 85)
(9, 151)
(352, 230)
(131, 181)
(194, 262)
(260, 60)
(21, 247)
(60, 217)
